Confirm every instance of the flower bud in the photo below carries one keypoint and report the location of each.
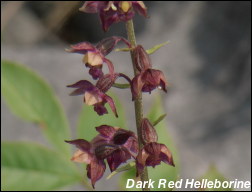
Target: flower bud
(106, 82)
(149, 133)
(141, 58)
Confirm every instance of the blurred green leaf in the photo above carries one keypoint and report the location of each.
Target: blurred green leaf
(121, 169)
(211, 175)
(158, 120)
(28, 166)
(30, 98)
(162, 171)
(156, 47)
(89, 119)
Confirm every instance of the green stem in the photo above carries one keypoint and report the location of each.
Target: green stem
(138, 102)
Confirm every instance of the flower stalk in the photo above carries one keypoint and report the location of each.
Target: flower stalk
(138, 101)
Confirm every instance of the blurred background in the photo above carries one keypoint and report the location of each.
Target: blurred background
(207, 62)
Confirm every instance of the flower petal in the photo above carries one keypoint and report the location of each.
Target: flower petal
(166, 155)
(106, 131)
(118, 157)
(93, 59)
(108, 18)
(93, 97)
(95, 170)
(92, 6)
(153, 79)
(136, 86)
(82, 157)
(110, 66)
(82, 48)
(132, 144)
(83, 86)
(111, 103)
(80, 144)
(140, 161)
(140, 8)
(100, 109)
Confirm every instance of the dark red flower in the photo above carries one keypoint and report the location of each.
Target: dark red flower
(152, 152)
(124, 139)
(148, 80)
(114, 144)
(85, 154)
(95, 55)
(94, 96)
(151, 155)
(114, 11)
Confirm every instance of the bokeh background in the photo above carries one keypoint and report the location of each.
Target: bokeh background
(207, 62)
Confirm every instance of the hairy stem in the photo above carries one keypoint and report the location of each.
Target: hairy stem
(138, 101)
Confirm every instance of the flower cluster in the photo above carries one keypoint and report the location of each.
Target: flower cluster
(94, 59)
(113, 144)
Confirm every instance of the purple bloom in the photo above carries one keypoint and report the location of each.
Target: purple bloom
(152, 152)
(127, 141)
(95, 55)
(86, 154)
(93, 96)
(114, 144)
(148, 80)
(114, 11)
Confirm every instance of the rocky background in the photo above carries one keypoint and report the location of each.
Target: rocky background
(207, 62)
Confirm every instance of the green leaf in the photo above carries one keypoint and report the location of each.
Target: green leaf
(30, 98)
(213, 174)
(162, 171)
(156, 47)
(121, 169)
(159, 119)
(89, 119)
(28, 166)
